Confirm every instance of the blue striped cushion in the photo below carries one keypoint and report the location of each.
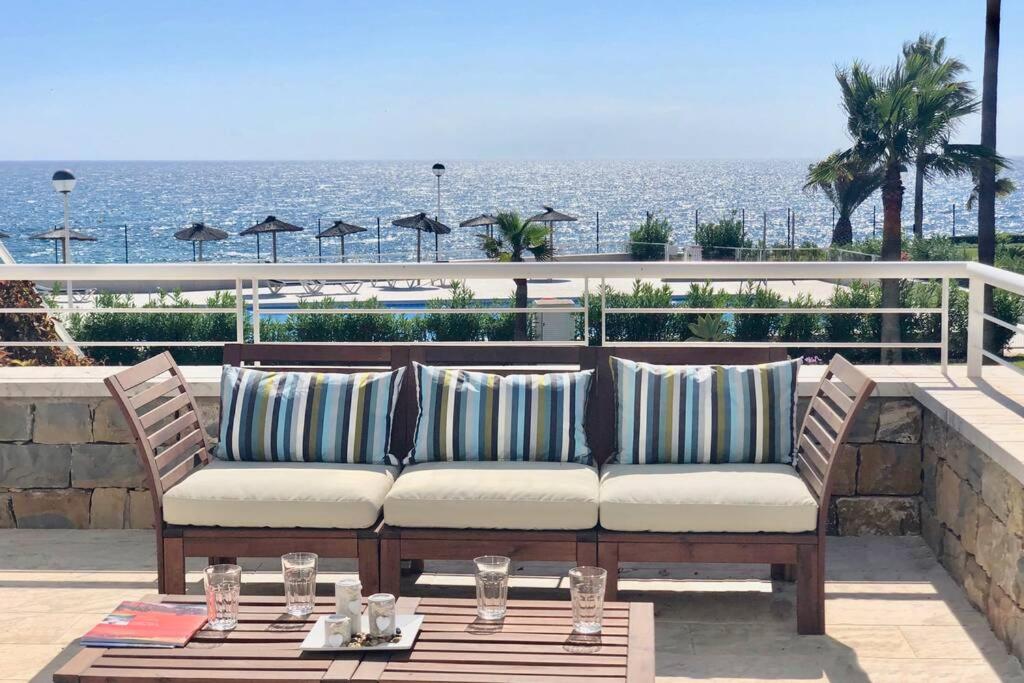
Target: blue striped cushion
(478, 416)
(705, 413)
(306, 416)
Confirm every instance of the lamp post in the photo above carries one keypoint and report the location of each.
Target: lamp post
(63, 182)
(438, 170)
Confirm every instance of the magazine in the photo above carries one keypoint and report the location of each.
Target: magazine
(146, 624)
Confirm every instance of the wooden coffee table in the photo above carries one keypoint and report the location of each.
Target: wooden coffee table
(534, 644)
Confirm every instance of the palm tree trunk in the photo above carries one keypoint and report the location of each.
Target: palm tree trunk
(987, 171)
(892, 250)
(520, 329)
(919, 196)
(842, 233)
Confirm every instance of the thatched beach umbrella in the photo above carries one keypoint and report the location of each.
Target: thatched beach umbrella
(422, 223)
(549, 218)
(197, 233)
(272, 225)
(57, 235)
(483, 220)
(340, 229)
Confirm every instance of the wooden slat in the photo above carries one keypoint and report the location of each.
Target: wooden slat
(179, 471)
(566, 669)
(848, 374)
(165, 409)
(165, 434)
(271, 664)
(188, 444)
(822, 408)
(640, 665)
(826, 440)
(837, 396)
(813, 479)
(151, 394)
(110, 675)
(144, 371)
(813, 455)
(517, 658)
(407, 676)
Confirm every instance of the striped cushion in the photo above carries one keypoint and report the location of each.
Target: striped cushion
(306, 416)
(467, 416)
(705, 413)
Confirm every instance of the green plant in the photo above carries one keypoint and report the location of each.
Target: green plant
(647, 243)
(512, 239)
(720, 239)
(756, 326)
(32, 327)
(710, 327)
(454, 326)
(847, 183)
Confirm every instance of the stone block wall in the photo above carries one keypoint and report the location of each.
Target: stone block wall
(70, 464)
(972, 517)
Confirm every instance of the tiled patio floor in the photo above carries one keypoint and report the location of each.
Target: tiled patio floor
(893, 613)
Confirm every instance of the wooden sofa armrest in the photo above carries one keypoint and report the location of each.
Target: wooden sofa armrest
(828, 421)
(163, 416)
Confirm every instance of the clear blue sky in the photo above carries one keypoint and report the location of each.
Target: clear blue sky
(103, 79)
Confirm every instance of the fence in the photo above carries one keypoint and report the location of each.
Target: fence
(246, 279)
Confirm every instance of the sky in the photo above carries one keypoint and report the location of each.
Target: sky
(531, 79)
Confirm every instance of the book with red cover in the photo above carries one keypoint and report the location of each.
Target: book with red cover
(146, 624)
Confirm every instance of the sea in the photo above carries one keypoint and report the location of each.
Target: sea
(133, 208)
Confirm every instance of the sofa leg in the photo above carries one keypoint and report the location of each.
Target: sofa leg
(810, 591)
(368, 550)
(172, 569)
(414, 568)
(608, 559)
(783, 572)
(391, 565)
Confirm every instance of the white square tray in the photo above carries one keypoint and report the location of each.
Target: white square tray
(316, 639)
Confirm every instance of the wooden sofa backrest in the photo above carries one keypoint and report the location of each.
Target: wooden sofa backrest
(163, 416)
(828, 421)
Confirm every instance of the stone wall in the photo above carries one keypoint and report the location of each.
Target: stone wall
(70, 464)
(972, 517)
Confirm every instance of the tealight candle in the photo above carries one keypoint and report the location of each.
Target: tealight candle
(339, 630)
(380, 608)
(348, 595)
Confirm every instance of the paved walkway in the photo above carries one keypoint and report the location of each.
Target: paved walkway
(893, 613)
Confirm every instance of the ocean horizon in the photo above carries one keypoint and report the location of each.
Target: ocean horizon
(154, 199)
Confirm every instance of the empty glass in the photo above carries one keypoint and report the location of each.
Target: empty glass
(223, 583)
(587, 587)
(491, 586)
(298, 571)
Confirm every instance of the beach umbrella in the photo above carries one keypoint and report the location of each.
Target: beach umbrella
(57, 235)
(197, 233)
(422, 223)
(549, 217)
(272, 225)
(483, 220)
(340, 229)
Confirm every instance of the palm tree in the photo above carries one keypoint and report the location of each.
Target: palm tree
(943, 99)
(879, 110)
(987, 168)
(513, 238)
(847, 185)
(1004, 187)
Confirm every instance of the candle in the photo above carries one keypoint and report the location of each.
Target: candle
(347, 600)
(339, 630)
(380, 608)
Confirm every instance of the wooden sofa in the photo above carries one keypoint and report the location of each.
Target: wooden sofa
(173, 446)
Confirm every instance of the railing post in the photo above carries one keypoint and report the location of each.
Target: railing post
(255, 311)
(944, 352)
(239, 312)
(604, 337)
(586, 311)
(975, 327)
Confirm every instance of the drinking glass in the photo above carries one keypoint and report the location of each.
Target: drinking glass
(299, 573)
(491, 586)
(587, 587)
(223, 583)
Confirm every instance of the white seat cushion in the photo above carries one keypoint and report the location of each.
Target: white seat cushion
(706, 498)
(280, 495)
(494, 495)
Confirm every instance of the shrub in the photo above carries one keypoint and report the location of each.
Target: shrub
(646, 243)
(756, 326)
(719, 240)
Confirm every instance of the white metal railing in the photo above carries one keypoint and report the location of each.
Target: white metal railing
(240, 277)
